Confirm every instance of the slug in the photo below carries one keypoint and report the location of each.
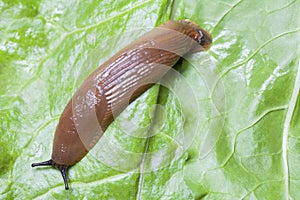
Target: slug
(116, 83)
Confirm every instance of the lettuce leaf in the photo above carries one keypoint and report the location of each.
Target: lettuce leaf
(225, 127)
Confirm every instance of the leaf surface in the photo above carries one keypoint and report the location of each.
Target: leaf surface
(224, 125)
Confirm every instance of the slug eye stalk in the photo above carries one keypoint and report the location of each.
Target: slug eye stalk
(61, 168)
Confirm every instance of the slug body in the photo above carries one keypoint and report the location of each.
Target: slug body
(116, 83)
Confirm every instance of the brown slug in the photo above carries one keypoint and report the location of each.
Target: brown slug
(116, 83)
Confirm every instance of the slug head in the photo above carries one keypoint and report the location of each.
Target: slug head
(61, 168)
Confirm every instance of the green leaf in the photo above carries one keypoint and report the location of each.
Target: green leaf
(225, 127)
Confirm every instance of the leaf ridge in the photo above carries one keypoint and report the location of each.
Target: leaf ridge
(287, 122)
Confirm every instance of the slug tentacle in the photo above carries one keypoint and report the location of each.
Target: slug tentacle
(62, 169)
(45, 163)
